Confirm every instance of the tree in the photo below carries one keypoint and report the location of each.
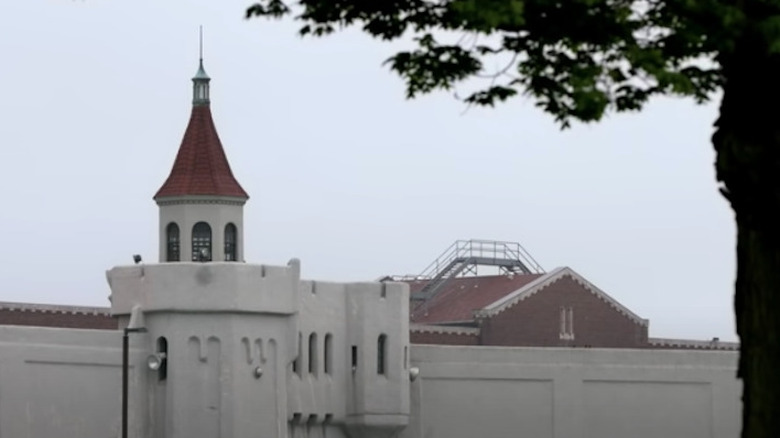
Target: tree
(579, 59)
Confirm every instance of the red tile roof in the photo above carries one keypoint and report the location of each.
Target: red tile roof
(44, 315)
(462, 296)
(201, 167)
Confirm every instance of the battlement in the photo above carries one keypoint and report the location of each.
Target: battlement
(217, 287)
(54, 308)
(692, 344)
(47, 315)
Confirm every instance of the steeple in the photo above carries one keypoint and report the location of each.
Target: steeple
(201, 198)
(201, 167)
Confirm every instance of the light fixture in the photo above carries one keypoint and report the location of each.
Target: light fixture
(155, 361)
(258, 372)
(414, 372)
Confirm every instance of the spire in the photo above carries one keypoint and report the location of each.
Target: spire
(200, 82)
(201, 167)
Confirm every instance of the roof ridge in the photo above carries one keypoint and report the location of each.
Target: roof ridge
(462, 290)
(215, 157)
(542, 282)
(509, 299)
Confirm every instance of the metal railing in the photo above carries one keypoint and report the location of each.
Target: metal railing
(462, 258)
(485, 252)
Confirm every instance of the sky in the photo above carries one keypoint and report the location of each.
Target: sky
(342, 171)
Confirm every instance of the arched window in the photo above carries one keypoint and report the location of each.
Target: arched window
(201, 242)
(172, 253)
(381, 355)
(328, 356)
(231, 245)
(313, 353)
(162, 351)
(296, 365)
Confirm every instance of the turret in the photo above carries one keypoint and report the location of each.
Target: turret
(201, 203)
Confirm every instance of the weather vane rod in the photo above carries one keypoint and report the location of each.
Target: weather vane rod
(201, 43)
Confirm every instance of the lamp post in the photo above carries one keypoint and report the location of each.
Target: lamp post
(125, 371)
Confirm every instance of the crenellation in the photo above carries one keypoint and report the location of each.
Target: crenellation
(48, 308)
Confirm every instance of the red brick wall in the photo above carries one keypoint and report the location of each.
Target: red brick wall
(42, 318)
(443, 338)
(535, 321)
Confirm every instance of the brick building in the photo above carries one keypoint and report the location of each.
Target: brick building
(521, 304)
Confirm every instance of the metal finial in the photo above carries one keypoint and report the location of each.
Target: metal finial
(200, 90)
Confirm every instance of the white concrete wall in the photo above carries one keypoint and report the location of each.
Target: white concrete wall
(222, 321)
(234, 330)
(67, 383)
(565, 393)
(362, 401)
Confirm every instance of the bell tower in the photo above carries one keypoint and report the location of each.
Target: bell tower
(201, 203)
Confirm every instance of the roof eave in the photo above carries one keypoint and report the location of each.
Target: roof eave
(199, 199)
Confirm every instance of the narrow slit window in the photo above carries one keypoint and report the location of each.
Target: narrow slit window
(313, 353)
(567, 323)
(562, 321)
(162, 351)
(354, 360)
(231, 245)
(381, 355)
(296, 365)
(173, 243)
(328, 353)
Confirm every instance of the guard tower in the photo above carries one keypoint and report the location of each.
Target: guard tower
(240, 349)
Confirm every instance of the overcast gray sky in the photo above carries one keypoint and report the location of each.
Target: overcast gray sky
(342, 171)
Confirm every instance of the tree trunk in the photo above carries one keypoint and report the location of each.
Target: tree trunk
(747, 141)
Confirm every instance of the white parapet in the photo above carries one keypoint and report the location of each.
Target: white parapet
(205, 287)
